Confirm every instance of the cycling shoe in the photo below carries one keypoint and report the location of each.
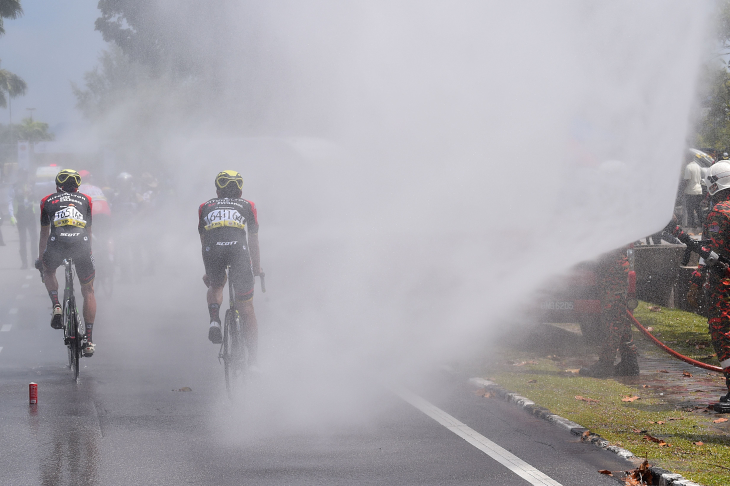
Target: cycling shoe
(214, 333)
(57, 319)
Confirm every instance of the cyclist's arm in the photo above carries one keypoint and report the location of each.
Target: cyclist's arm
(43, 239)
(253, 246)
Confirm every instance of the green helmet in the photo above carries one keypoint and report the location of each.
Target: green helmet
(229, 183)
(69, 180)
(226, 177)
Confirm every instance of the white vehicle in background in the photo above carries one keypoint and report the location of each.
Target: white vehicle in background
(45, 181)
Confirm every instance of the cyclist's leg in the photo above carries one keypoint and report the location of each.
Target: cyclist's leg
(86, 272)
(87, 291)
(51, 260)
(250, 327)
(215, 271)
(243, 282)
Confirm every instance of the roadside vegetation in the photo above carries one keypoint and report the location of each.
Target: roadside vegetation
(650, 420)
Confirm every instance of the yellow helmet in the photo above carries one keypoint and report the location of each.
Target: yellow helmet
(68, 180)
(226, 177)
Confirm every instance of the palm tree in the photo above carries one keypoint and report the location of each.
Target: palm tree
(9, 9)
(11, 85)
(33, 131)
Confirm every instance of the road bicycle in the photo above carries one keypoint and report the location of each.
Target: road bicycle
(74, 336)
(234, 352)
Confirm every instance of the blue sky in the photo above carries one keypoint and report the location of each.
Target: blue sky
(52, 44)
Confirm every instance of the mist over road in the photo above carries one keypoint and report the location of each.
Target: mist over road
(302, 424)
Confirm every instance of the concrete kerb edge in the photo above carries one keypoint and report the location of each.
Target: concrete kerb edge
(662, 476)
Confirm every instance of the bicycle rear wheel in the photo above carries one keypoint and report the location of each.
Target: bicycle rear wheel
(73, 337)
(234, 352)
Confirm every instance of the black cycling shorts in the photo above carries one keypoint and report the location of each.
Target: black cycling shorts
(216, 258)
(80, 253)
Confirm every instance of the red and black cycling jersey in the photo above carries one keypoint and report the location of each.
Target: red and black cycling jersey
(226, 220)
(69, 216)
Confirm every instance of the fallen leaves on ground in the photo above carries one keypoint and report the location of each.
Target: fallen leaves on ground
(645, 386)
(720, 420)
(663, 371)
(584, 399)
(523, 363)
(649, 328)
(687, 374)
(532, 381)
(606, 472)
(656, 440)
(574, 371)
(699, 443)
(640, 475)
(483, 393)
(630, 399)
(658, 422)
(655, 308)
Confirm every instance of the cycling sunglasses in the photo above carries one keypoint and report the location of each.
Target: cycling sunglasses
(224, 181)
(63, 177)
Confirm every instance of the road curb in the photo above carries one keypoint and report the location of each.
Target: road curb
(662, 477)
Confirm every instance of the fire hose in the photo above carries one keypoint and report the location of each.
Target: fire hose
(669, 350)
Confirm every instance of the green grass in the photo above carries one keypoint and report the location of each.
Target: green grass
(682, 331)
(544, 380)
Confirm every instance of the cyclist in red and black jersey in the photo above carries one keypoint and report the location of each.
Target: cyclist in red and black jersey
(66, 233)
(222, 224)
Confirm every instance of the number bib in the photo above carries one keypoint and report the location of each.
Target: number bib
(69, 217)
(224, 217)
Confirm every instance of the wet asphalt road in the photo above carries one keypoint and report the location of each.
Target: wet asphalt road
(300, 423)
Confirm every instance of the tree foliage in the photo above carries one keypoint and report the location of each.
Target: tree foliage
(712, 130)
(111, 82)
(9, 9)
(27, 130)
(164, 35)
(10, 85)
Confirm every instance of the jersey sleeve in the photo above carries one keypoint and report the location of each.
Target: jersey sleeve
(201, 228)
(45, 217)
(89, 212)
(253, 226)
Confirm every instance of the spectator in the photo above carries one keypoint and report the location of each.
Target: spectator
(693, 193)
(21, 210)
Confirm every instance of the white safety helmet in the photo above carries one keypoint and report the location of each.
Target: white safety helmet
(718, 177)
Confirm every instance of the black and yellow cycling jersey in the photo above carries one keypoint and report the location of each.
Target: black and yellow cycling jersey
(223, 220)
(69, 216)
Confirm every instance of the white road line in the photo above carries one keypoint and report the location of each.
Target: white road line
(14, 310)
(499, 454)
(25, 286)
(6, 327)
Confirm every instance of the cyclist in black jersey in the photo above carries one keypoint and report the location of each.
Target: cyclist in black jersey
(222, 224)
(66, 233)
